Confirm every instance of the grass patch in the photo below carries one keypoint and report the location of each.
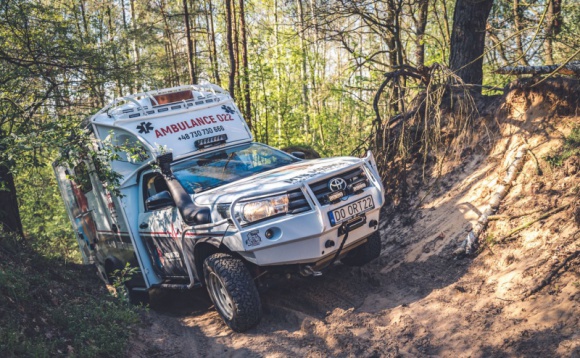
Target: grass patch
(570, 148)
(49, 308)
(490, 240)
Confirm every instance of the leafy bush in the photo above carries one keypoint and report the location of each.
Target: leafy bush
(570, 148)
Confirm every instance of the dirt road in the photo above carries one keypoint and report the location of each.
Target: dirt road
(416, 300)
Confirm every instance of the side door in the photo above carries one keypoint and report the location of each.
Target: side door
(160, 228)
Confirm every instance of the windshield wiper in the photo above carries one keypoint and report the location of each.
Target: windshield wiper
(228, 161)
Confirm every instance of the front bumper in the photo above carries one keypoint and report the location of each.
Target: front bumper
(303, 244)
(309, 237)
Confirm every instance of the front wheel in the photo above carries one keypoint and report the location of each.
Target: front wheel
(365, 253)
(233, 292)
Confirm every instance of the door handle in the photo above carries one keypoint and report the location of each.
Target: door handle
(143, 226)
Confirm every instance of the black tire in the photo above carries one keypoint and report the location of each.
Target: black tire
(233, 291)
(365, 253)
(136, 297)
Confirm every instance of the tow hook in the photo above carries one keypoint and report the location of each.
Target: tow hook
(309, 271)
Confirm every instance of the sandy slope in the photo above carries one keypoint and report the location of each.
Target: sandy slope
(417, 299)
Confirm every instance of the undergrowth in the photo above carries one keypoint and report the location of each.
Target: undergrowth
(418, 131)
(570, 148)
(49, 308)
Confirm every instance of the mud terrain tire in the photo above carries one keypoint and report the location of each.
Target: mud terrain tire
(365, 253)
(233, 291)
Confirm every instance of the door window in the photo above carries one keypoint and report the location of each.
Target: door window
(153, 184)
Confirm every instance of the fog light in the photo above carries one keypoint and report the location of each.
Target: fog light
(359, 186)
(269, 233)
(335, 195)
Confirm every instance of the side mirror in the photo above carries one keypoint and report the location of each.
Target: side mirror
(159, 201)
(299, 155)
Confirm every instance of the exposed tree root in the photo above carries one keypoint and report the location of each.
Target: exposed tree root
(553, 273)
(538, 169)
(507, 217)
(529, 223)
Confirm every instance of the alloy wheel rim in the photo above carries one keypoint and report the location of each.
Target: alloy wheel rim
(221, 296)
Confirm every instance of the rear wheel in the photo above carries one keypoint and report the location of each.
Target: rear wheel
(365, 253)
(135, 296)
(232, 290)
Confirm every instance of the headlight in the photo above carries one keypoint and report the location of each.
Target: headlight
(256, 210)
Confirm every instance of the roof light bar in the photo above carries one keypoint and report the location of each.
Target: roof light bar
(211, 141)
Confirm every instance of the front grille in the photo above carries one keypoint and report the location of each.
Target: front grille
(297, 202)
(321, 188)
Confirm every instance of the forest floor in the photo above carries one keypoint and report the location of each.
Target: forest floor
(518, 296)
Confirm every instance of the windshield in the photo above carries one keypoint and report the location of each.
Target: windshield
(228, 165)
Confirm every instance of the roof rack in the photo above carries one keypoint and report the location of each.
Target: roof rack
(122, 106)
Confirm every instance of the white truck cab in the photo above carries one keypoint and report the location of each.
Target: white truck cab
(200, 204)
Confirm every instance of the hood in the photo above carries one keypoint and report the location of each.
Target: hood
(283, 178)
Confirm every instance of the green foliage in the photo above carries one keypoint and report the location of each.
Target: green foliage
(97, 327)
(51, 309)
(312, 77)
(490, 239)
(49, 231)
(120, 278)
(570, 148)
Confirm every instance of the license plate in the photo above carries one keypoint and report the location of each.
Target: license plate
(351, 210)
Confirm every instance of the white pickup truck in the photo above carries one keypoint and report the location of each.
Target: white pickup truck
(201, 204)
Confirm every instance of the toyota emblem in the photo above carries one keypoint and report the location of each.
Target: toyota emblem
(337, 184)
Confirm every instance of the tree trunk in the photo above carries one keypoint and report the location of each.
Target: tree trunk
(236, 40)
(169, 44)
(518, 23)
(401, 57)
(468, 40)
(85, 24)
(192, 79)
(552, 28)
(126, 28)
(9, 214)
(303, 68)
(229, 40)
(245, 67)
(135, 48)
(390, 39)
(213, 50)
(420, 41)
(277, 74)
(393, 57)
(569, 69)
(115, 59)
(196, 66)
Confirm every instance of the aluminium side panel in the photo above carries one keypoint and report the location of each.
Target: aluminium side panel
(75, 212)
